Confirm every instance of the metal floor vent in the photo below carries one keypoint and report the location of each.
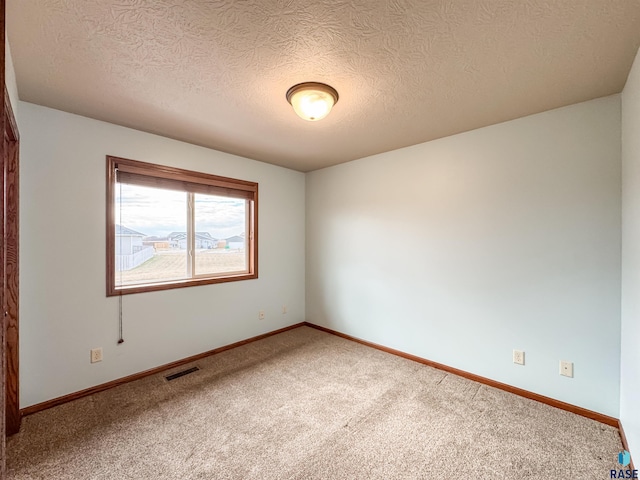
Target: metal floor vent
(173, 376)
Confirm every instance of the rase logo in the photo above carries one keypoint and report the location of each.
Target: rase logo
(624, 459)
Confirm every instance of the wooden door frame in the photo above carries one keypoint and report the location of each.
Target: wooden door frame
(11, 267)
(2, 330)
(10, 415)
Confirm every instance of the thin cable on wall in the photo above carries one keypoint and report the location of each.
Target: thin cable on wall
(119, 226)
(120, 335)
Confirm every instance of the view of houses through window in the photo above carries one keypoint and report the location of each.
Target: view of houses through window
(153, 234)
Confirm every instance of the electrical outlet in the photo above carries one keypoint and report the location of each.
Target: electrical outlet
(261, 315)
(566, 368)
(284, 309)
(96, 355)
(518, 357)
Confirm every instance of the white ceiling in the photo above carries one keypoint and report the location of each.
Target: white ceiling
(215, 73)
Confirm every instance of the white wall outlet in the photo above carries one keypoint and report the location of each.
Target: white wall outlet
(566, 368)
(96, 355)
(261, 315)
(518, 357)
(284, 309)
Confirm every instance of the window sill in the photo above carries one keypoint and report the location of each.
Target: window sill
(190, 282)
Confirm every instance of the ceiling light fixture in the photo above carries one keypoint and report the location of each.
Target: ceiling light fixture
(312, 101)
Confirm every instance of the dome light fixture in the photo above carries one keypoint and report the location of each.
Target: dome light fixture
(312, 101)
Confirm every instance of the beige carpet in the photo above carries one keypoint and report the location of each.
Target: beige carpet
(308, 405)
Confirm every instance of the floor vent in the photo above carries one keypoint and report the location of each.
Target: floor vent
(173, 376)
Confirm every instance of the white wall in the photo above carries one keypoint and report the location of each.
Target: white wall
(63, 309)
(464, 248)
(10, 77)
(630, 360)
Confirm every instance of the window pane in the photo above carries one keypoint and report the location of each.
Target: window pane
(175, 228)
(151, 230)
(220, 238)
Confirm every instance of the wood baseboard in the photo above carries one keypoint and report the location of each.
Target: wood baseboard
(477, 378)
(614, 422)
(625, 444)
(136, 376)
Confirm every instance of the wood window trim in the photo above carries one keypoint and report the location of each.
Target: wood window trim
(184, 180)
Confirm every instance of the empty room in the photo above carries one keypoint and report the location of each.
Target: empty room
(337, 239)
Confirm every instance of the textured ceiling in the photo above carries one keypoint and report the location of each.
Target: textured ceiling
(215, 73)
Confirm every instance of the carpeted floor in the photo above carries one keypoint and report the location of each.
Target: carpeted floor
(309, 405)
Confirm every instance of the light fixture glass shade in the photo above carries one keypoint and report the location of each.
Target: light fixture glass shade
(312, 101)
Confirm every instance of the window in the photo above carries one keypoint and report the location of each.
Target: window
(170, 228)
